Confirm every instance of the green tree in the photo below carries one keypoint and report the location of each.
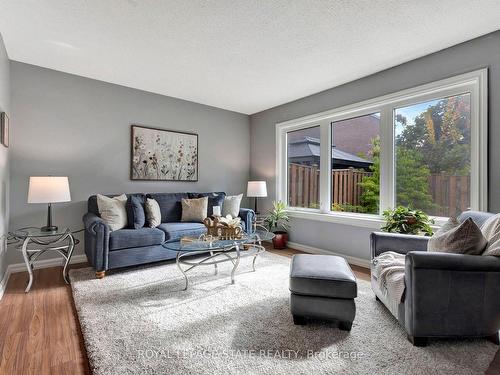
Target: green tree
(441, 134)
(370, 196)
(412, 181)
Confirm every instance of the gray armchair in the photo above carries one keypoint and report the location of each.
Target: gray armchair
(447, 295)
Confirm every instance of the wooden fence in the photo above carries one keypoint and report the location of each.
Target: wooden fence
(450, 193)
(345, 186)
(304, 186)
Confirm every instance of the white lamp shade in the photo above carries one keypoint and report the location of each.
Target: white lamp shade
(256, 189)
(48, 189)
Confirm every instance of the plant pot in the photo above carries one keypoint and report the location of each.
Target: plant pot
(280, 239)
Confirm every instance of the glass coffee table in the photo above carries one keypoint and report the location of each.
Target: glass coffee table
(215, 251)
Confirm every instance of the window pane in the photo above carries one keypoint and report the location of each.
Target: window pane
(433, 155)
(355, 164)
(303, 167)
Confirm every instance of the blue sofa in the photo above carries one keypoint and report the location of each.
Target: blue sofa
(106, 249)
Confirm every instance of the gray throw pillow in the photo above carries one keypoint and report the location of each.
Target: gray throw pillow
(194, 210)
(458, 238)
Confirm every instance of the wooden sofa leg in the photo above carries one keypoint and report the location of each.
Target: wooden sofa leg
(100, 274)
(418, 341)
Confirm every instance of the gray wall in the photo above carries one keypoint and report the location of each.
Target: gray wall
(78, 127)
(475, 54)
(4, 157)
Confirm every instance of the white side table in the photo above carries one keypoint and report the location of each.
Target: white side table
(35, 242)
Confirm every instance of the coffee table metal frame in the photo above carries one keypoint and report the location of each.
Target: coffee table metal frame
(218, 251)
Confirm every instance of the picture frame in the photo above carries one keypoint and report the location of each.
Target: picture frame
(4, 129)
(163, 155)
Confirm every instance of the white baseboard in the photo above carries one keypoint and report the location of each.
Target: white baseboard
(315, 250)
(45, 263)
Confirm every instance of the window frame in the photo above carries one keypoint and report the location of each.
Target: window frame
(475, 83)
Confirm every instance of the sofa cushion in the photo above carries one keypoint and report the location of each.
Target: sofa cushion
(125, 238)
(174, 231)
(214, 199)
(322, 276)
(135, 212)
(170, 205)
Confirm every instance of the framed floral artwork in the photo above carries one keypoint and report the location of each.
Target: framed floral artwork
(163, 155)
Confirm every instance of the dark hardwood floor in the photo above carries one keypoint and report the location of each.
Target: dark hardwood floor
(40, 333)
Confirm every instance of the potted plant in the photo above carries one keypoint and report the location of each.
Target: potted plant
(407, 221)
(277, 221)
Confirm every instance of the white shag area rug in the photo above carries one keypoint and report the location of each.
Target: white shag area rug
(140, 321)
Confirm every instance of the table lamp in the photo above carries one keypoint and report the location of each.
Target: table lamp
(48, 189)
(256, 189)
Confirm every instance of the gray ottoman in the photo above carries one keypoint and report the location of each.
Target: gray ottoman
(322, 287)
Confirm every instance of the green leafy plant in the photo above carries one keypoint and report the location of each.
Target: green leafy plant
(408, 221)
(277, 217)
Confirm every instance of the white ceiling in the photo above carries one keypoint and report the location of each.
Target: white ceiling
(245, 56)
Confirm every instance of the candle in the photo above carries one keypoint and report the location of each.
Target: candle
(216, 210)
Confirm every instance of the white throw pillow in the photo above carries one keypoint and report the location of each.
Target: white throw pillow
(231, 205)
(153, 213)
(491, 231)
(113, 211)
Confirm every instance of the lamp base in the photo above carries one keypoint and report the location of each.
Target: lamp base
(256, 210)
(51, 228)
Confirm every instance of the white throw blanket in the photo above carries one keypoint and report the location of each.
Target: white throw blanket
(389, 270)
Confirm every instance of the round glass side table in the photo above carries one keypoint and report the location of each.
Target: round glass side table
(34, 242)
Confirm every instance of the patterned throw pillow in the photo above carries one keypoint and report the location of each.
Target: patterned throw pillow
(458, 238)
(491, 231)
(194, 210)
(112, 211)
(231, 205)
(153, 213)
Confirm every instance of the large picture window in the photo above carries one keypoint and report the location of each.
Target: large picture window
(423, 147)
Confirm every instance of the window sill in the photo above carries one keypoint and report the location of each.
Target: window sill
(359, 220)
